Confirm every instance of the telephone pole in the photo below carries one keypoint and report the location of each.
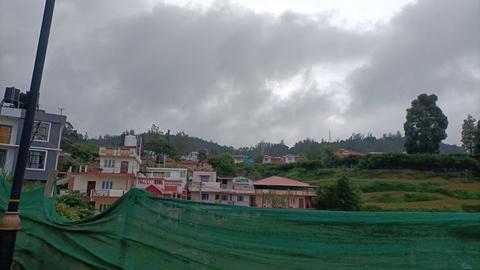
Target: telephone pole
(10, 223)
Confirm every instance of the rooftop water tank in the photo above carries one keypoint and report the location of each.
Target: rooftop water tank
(130, 141)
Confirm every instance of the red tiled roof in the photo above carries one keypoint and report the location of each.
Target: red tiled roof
(279, 181)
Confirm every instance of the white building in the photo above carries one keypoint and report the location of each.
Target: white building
(110, 178)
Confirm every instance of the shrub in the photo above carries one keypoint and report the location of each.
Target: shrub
(433, 162)
(73, 206)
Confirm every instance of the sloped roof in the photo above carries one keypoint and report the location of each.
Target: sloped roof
(280, 181)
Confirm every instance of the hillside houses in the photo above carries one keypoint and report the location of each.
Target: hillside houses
(119, 169)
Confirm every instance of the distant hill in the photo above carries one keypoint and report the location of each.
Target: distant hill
(358, 142)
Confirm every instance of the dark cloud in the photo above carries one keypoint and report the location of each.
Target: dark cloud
(430, 47)
(115, 66)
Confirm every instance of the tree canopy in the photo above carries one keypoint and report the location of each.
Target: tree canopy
(223, 164)
(425, 125)
(340, 196)
(476, 140)
(468, 134)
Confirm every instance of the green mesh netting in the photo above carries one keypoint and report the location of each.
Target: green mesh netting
(143, 231)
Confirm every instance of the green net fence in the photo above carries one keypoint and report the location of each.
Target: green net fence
(143, 231)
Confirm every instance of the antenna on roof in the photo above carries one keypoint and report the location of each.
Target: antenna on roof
(61, 110)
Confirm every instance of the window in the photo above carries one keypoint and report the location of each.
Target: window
(204, 178)
(41, 131)
(107, 184)
(224, 197)
(108, 163)
(204, 196)
(3, 158)
(217, 197)
(183, 174)
(240, 198)
(36, 160)
(5, 132)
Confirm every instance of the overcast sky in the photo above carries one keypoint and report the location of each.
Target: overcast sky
(238, 72)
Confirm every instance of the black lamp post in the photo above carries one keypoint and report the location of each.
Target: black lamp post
(10, 223)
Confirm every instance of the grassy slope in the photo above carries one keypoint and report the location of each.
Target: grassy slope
(408, 190)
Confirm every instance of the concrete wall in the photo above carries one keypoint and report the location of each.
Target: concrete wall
(133, 165)
(118, 182)
(232, 199)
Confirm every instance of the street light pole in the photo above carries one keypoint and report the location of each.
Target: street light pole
(10, 223)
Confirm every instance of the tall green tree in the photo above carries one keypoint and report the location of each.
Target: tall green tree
(223, 164)
(468, 134)
(340, 196)
(202, 156)
(425, 125)
(476, 140)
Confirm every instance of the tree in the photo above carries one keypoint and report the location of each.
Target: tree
(340, 196)
(476, 140)
(468, 133)
(323, 152)
(425, 125)
(223, 164)
(161, 146)
(202, 156)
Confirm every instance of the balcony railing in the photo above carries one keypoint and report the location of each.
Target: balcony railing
(107, 193)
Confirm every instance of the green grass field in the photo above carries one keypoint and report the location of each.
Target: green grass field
(406, 190)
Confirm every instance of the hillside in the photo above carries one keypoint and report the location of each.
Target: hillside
(185, 143)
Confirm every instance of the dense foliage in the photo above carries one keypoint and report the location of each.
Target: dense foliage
(468, 134)
(73, 206)
(476, 140)
(223, 164)
(425, 126)
(419, 162)
(340, 196)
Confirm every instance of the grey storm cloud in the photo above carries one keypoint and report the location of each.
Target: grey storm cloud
(115, 65)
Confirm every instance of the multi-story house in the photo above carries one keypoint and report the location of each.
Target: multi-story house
(110, 178)
(45, 145)
(280, 192)
(205, 186)
(238, 159)
(286, 159)
(168, 182)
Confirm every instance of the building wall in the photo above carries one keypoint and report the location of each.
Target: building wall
(133, 164)
(9, 118)
(107, 201)
(175, 173)
(14, 117)
(197, 176)
(212, 198)
(81, 180)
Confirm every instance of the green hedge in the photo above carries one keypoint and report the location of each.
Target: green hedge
(429, 162)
